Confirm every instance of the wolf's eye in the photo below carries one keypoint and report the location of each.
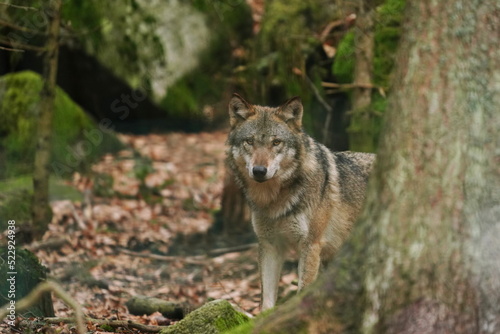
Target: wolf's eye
(249, 141)
(276, 142)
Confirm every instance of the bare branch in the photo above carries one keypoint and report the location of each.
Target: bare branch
(18, 6)
(8, 24)
(38, 291)
(200, 259)
(10, 49)
(101, 322)
(348, 86)
(18, 45)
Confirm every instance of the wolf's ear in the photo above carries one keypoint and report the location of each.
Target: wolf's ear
(239, 110)
(291, 111)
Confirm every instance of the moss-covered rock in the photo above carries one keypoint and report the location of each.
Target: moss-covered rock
(214, 317)
(139, 305)
(19, 279)
(76, 139)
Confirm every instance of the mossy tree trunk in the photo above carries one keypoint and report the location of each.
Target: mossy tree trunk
(424, 256)
(361, 128)
(41, 209)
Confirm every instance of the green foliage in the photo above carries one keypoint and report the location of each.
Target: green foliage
(73, 130)
(388, 20)
(387, 32)
(281, 47)
(343, 66)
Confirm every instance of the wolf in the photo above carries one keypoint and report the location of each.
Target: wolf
(301, 195)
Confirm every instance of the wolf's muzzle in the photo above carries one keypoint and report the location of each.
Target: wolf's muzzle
(259, 173)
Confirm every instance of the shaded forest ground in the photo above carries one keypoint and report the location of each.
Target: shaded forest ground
(142, 230)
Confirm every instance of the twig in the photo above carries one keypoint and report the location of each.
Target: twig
(348, 86)
(112, 323)
(348, 21)
(10, 49)
(21, 28)
(18, 6)
(328, 108)
(38, 291)
(200, 259)
(220, 251)
(21, 45)
(53, 243)
(79, 221)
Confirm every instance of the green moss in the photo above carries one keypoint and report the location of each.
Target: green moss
(365, 129)
(343, 66)
(387, 32)
(214, 317)
(76, 140)
(29, 273)
(245, 328)
(281, 47)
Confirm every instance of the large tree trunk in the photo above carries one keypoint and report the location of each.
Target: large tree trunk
(361, 134)
(41, 209)
(425, 255)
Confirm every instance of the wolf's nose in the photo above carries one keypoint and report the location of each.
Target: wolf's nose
(259, 171)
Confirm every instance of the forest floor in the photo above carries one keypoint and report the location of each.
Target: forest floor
(144, 229)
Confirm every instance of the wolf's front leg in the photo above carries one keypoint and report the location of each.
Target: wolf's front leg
(309, 263)
(270, 263)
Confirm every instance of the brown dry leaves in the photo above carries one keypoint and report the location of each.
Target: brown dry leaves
(137, 205)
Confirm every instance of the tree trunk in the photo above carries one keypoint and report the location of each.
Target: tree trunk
(425, 254)
(41, 210)
(234, 209)
(361, 134)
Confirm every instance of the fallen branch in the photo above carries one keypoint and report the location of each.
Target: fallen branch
(220, 251)
(328, 108)
(38, 291)
(21, 28)
(50, 244)
(23, 46)
(18, 6)
(347, 22)
(139, 305)
(10, 49)
(200, 259)
(105, 322)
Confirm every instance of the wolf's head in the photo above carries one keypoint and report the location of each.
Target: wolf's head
(265, 142)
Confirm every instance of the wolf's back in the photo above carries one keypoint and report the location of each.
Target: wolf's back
(353, 169)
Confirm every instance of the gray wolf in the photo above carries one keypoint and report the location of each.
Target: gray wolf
(302, 196)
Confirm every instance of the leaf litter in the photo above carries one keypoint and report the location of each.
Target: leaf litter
(142, 229)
